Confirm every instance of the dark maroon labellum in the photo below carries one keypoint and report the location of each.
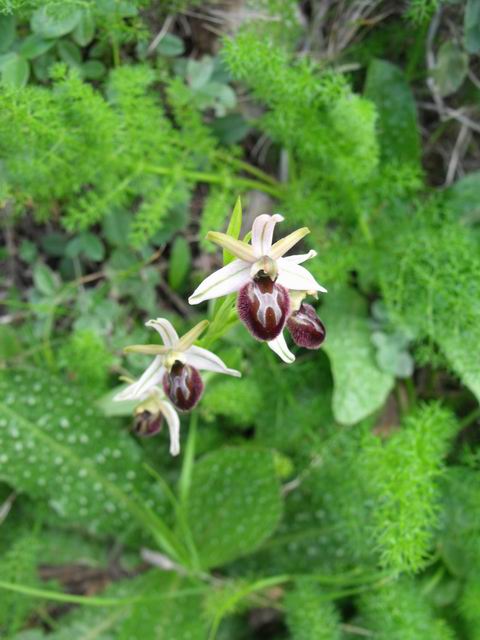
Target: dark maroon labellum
(263, 306)
(183, 385)
(147, 424)
(306, 327)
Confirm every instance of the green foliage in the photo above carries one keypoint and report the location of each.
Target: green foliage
(315, 116)
(399, 611)
(96, 155)
(398, 132)
(240, 401)
(339, 480)
(436, 286)
(58, 449)
(86, 359)
(18, 565)
(359, 386)
(404, 474)
(234, 504)
(308, 616)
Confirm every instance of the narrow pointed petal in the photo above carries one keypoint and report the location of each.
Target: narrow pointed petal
(173, 421)
(152, 376)
(281, 247)
(293, 276)
(262, 233)
(238, 248)
(303, 257)
(146, 349)
(189, 338)
(279, 346)
(222, 282)
(205, 360)
(165, 329)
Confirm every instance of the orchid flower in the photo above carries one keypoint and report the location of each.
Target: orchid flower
(262, 276)
(305, 327)
(149, 415)
(176, 366)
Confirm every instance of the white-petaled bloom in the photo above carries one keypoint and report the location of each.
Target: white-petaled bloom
(149, 415)
(262, 276)
(305, 327)
(175, 366)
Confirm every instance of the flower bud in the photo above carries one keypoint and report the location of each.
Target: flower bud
(183, 385)
(147, 424)
(263, 306)
(306, 328)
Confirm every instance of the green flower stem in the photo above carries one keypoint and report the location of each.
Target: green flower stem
(248, 168)
(211, 178)
(473, 416)
(188, 462)
(92, 601)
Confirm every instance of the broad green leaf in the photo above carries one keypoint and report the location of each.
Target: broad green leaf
(451, 68)
(55, 446)
(34, 46)
(70, 53)
(10, 345)
(93, 70)
(171, 46)
(234, 227)
(86, 244)
(199, 72)
(45, 280)
(472, 26)
(234, 503)
(463, 354)
(85, 29)
(7, 32)
(360, 387)
(55, 21)
(15, 72)
(398, 130)
(230, 129)
(463, 198)
(179, 263)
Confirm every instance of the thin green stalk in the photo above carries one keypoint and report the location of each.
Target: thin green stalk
(247, 167)
(227, 606)
(181, 518)
(469, 419)
(211, 178)
(92, 601)
(188, 462)
(411, 392)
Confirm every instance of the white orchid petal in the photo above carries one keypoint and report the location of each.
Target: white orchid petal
(262, 233)
(279, 346)
(173, 422)
(293, 276)
(207, 361)
(165, 329)
(141, 388)
(301, 257)
(226, 280)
